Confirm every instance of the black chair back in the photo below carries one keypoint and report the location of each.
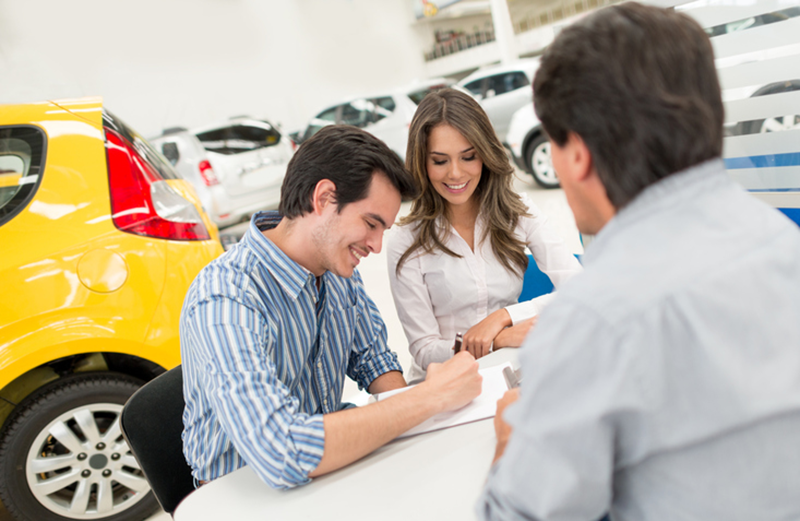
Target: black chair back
(152, 424)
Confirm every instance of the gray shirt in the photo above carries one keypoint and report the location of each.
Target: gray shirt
(663, 383)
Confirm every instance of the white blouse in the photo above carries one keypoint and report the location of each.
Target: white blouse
(437, 295)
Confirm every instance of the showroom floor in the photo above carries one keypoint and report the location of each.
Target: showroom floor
(374, 272)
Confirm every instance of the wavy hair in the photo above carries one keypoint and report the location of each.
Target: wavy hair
(499, 204)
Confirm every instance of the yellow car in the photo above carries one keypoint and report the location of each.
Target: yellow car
(100, 240)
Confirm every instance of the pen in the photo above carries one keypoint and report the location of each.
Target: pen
(457, 345)
(512, 377)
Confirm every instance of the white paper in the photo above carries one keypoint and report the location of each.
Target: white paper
(484, 406)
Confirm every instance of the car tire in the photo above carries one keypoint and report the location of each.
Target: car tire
(74, 423)
(539, 162)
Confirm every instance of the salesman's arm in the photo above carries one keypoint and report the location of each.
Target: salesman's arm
(563, 430)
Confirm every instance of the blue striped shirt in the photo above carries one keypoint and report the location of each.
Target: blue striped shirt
(265, 354)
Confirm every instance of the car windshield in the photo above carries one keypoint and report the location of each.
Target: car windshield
(418, 95)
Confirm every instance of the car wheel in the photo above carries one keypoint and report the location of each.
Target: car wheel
(776, 124)
(540, 164)
(780, 123)
(62, 454)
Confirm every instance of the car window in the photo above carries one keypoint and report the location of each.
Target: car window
(328, 115)
(475, 87)
(384, 106)
(22, 152)
(170, 151)
(506, 82)
(235, 139)
(358, 113)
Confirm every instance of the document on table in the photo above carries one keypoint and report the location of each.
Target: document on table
(494, 385)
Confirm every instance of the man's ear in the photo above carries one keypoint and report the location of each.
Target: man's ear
(580, 156)
(324, 195)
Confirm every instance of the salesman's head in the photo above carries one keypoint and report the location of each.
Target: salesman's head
(628, 96)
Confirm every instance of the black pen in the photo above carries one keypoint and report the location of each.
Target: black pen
(457, 345)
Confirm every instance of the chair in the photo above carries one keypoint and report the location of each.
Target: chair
(535, 283)
(152, 424)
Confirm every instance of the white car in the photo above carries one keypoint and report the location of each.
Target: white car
(236, 167)
(502, 90)
(530, 147)
(386, 116)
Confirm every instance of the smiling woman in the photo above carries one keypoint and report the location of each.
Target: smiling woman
(457, 261)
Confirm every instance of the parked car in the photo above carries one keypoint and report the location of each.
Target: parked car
(101, 239)
(530, 147)
(236, 167)
(502, 90)
(386, 116)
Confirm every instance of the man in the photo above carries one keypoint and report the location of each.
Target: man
(270, 329)
(664, 382)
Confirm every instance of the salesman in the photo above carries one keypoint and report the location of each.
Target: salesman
(270, 329)
(664, 382)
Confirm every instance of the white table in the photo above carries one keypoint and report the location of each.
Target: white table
(437, 476)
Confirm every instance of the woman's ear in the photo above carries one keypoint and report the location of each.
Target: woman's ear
(324, 195)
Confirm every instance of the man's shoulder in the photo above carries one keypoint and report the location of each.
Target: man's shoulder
(234, 274)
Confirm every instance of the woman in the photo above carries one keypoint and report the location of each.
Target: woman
(457, 261)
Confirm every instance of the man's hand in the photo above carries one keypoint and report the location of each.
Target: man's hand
(515, 335)
(478, 340)
(454, 383)
(501, 428)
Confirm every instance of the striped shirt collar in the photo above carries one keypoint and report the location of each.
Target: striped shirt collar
(291, 276)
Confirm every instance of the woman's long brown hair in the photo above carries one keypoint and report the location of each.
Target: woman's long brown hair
(499, 204)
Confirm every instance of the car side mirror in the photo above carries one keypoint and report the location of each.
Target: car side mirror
(489, 94)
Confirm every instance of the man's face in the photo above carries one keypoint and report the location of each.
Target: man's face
(347, 237)
(567, 169)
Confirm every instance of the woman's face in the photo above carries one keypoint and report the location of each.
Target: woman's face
(454, 167)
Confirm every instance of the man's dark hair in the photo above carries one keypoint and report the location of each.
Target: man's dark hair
(638, 85)
(347, 156)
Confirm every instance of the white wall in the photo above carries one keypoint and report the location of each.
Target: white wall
(161, 63)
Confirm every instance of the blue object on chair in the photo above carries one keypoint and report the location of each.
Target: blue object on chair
(536, 283)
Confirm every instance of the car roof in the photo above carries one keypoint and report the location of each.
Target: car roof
(89, 109)
(527, 65)
(397, 91)
(172, 131)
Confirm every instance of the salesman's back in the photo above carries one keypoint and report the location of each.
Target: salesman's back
(698, 284)
(663, 383)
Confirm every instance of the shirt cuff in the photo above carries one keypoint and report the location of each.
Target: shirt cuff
(376, 366)
(306, 445)
(522, 311)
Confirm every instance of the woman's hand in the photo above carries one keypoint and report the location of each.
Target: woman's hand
(514, 336)
(478, 340)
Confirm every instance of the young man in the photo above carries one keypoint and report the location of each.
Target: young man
(664, 382)
(270, 329)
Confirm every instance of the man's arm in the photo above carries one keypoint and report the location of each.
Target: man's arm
(387, 382)
(353, 433)
(501, 428)
(580, 382)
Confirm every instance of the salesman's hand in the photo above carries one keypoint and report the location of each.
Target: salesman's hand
(454, 383)
(514, 336)
(478, 340)
(501, 428)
